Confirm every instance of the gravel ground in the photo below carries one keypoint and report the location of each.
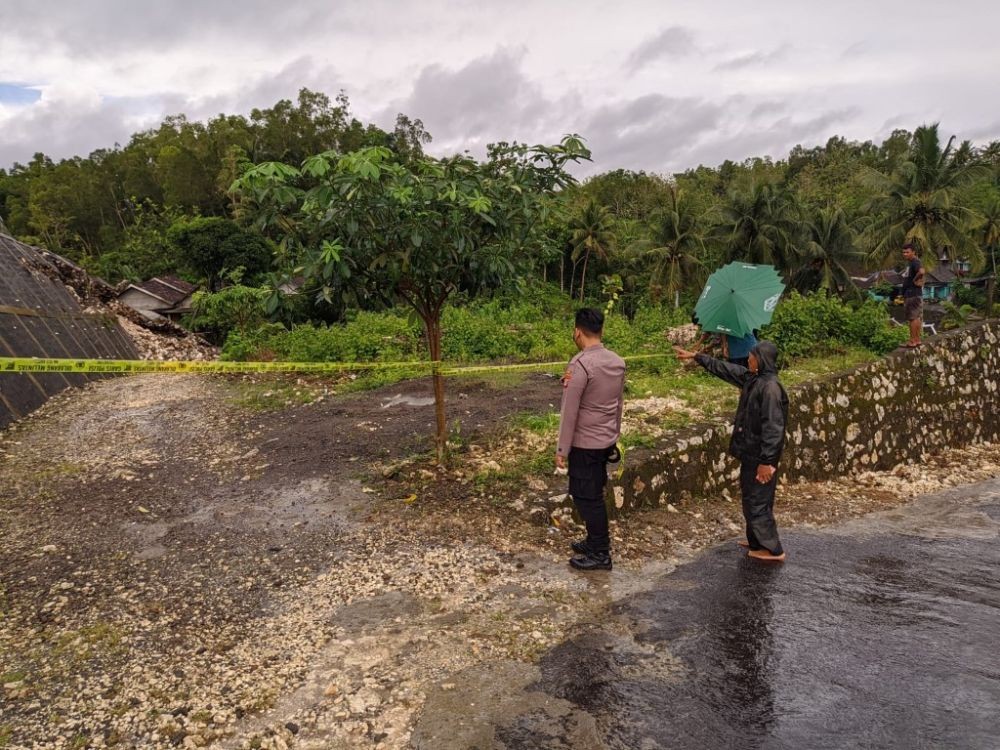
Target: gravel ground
(179, 571)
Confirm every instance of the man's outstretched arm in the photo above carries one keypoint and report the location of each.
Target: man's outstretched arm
(733, 374)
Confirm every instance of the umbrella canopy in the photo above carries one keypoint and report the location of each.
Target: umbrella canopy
(739, 298)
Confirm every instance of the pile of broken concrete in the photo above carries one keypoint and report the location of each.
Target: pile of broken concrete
(155, 340)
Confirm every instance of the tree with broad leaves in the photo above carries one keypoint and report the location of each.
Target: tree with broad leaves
(411, 230)
(209, 247)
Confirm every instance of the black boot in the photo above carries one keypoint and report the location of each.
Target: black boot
(592, 561)
(581, 547)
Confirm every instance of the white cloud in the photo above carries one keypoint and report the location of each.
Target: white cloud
(651, 85)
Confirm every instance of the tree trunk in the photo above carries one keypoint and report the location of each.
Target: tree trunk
(677, 298)
(583, 276)
(432, 325)
(562, 271)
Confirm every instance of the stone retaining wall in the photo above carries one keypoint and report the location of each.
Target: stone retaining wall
(945, 394)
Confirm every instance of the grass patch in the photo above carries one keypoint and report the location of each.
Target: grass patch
(60, 469)
(540, 424)
(74, 647)
(636, 440)
(812, 368)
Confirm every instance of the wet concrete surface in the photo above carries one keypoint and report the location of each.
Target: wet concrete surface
(883, 633)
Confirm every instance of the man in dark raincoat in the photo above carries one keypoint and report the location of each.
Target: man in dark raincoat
(757, 441)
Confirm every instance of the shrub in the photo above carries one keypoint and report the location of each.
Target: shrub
(970, 295)
(236, 307)
(370, 337)
(813, 324)
(536, 326)
(956, 316)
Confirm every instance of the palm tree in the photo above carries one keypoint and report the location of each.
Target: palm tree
(761, 224)
(989, 231)
(831, 245)
(591, 233)
(921, 202)
(675, 248)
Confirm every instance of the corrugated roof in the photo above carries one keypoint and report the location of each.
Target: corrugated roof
(179, 284)
(878, 277)
(165, 290)
(40, 317)
(941, 274)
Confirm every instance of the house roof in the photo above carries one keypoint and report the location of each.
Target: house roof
(168, 289)
(888, 276)
(940, 274)
(179, 284)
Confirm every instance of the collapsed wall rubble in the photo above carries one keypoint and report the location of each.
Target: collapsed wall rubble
(51, 308)
(158, 340)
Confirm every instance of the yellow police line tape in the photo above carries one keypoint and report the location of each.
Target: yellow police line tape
(141, 366)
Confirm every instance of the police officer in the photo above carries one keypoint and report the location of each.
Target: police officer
(589, 427)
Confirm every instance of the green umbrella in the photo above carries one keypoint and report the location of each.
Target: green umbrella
(739, 298)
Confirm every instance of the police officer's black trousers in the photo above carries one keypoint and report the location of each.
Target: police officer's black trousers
(758, 509)
(588, 473)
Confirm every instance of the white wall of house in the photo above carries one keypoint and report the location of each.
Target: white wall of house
(143, 303)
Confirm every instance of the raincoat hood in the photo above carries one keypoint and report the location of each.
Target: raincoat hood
(767, 357)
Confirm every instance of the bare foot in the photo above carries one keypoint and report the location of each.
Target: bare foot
(763, 554)
(745, 545)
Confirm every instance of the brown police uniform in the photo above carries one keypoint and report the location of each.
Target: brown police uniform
(589, 426)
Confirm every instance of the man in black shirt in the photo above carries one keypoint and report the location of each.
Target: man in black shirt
(913, 294)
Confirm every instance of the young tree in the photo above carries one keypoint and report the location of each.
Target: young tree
(412, 229)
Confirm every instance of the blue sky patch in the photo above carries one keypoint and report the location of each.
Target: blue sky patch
(13, 93)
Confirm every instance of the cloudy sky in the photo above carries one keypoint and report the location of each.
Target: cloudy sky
(659, 85)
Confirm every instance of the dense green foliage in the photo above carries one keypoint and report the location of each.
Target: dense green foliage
(98, 210)
(535, 326)
(819, 324)
(210, 247)
(237, 308)
(305, 231)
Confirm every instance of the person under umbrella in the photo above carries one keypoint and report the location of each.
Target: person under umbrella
(758, 440)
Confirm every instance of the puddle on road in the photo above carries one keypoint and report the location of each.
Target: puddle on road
(316, 502)
(401, 400)
(882, 633)
(462, 713)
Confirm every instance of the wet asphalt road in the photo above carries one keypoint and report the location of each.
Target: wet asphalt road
(884, 633)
